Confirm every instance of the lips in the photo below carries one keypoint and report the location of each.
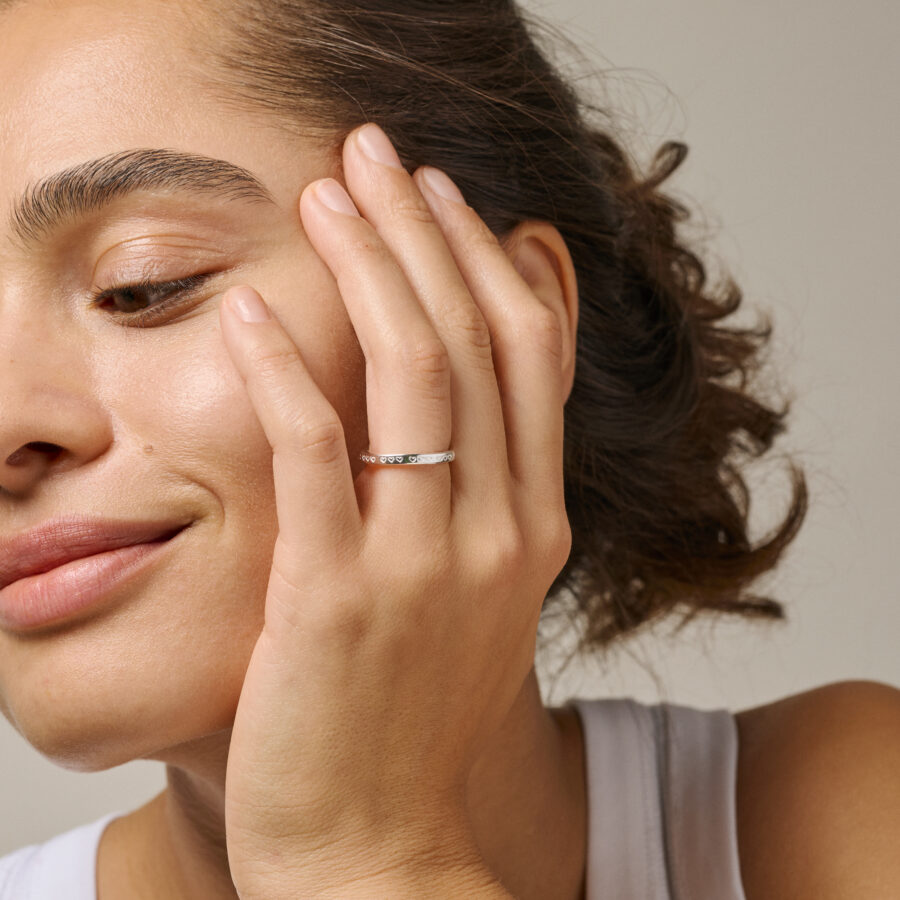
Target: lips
(62, 540)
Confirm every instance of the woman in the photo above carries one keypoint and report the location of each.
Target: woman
(327, 640)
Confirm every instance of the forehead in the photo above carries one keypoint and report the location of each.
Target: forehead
(104, 78)
(83, 79)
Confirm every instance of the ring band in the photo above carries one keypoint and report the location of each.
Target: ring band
(408, 459)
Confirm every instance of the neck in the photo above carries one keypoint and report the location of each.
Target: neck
(527, 806)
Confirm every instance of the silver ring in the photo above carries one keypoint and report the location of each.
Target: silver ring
(408, 459)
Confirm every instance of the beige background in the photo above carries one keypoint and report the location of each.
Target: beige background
(790, 113)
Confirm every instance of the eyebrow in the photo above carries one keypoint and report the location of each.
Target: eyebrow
(90, 186)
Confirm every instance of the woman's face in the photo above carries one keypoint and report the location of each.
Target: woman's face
(153, 421)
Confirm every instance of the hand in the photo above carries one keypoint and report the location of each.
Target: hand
(402, 609)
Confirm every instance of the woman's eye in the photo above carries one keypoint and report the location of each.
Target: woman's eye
(142, 302)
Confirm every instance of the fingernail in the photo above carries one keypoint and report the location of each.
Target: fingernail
(248, 305)
(333, 195)
(377, 146)
(441, 184)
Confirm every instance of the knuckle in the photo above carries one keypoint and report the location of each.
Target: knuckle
(414, 211)
(542, 328)
(484, 237)
(560, 541)
(322, 442)
(468, 320)
(350, 619)
(508, 549)
(343, 621)
(422, 569)
(271, 362)
(428, 360)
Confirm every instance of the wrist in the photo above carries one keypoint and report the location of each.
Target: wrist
(448, 871)
(477, 882)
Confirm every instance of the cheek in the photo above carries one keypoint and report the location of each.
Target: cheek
(167, 664)
(129, 686)
(193, 417)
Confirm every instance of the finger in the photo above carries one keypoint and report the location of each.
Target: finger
(407, 367)
(314, 492)
(525, 335)
(390, 199)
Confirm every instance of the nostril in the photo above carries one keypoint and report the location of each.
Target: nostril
(53, 450)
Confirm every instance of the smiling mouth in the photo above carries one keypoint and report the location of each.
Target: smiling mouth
(54, 596)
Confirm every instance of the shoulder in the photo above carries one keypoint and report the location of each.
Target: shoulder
(818, 793)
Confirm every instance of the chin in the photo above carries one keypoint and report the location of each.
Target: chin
(96, 697)
(95, 738)
(81, 746)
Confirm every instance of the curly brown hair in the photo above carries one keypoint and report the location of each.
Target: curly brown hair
(661, 409)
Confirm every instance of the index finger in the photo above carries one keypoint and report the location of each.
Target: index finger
(315, 497)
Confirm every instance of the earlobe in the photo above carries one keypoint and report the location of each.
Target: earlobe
(539, 254)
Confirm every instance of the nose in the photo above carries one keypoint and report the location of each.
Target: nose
(33, 456)
(49, 420)
(20, 456)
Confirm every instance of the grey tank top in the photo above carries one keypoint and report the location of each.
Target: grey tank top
(661, 783)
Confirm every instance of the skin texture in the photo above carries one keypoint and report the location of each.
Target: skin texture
(156, 673)
(818, 794)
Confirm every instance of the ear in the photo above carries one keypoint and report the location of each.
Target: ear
(540, 255)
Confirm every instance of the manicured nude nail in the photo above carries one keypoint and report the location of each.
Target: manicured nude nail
(377, 146)
(333, 195)
(248, 305)
(441, 184)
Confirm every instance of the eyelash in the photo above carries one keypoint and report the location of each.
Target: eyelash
(172, 291)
